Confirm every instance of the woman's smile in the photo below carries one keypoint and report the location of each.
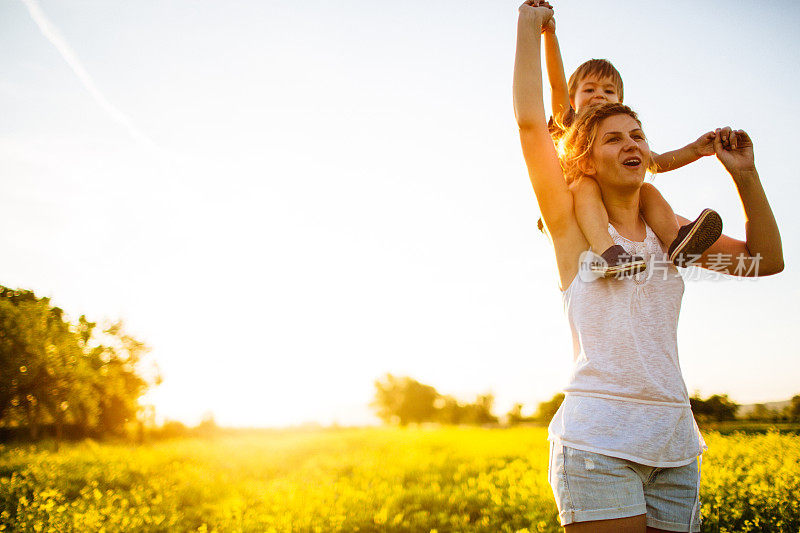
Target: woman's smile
(632, 162)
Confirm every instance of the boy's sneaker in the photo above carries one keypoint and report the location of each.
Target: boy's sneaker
(617, 262)
(695, 238)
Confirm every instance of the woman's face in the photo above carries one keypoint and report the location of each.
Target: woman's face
(620, 154)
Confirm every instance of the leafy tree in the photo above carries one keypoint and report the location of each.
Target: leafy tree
(173, 429)
(14, 378)
(404, 400)
(762, 412)
(480, 412)
(514, 415)
(57, 373)
(717, 408)
(793, 409)
(547, 410)
(122, 385)
(35, 340)
(449, 410)
(208, 425)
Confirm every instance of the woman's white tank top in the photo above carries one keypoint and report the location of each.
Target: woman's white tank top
(626, 397)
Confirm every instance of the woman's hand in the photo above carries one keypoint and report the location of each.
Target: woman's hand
(734, 150)
(539, 13)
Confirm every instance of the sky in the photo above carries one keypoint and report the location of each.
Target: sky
(288, 200)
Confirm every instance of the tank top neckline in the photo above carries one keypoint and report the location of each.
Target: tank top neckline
(649, 237)
(647, 232)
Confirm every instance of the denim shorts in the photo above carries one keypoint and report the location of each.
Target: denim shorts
(591, 486)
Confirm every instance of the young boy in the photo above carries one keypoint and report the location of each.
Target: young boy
(597, 82)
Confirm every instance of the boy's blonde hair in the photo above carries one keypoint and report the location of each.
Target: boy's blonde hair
(575, 146)
(599, 68)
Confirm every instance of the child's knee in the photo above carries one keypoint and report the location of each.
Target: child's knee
(648, 194)
(648, 189)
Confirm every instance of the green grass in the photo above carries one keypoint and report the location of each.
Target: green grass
(751, 426)
(380, 479)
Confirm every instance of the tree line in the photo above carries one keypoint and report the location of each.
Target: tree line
(60, 378)
(404, 400)
(720, 408)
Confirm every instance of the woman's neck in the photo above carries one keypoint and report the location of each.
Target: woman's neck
(623, 214)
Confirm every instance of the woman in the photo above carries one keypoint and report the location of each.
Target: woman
(624, 442)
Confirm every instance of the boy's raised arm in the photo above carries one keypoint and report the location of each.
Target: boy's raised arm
(559, 93)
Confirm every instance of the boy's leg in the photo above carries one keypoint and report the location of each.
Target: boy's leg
(684, 242)
(695, 238)
(658, 214)
(593, 221)
(591, 214)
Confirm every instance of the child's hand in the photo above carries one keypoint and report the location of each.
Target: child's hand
(550, 25)
(734, 150)
(704, 145)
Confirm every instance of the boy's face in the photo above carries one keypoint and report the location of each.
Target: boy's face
(592, 91)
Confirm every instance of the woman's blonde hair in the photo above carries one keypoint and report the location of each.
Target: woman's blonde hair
(575, 146)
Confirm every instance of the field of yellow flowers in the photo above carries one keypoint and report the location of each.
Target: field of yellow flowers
(378, 479)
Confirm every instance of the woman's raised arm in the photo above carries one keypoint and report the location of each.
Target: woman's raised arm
(761, 254)
(555, 200)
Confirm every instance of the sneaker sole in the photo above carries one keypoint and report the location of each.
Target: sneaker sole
(705, 232)
(627, 269)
